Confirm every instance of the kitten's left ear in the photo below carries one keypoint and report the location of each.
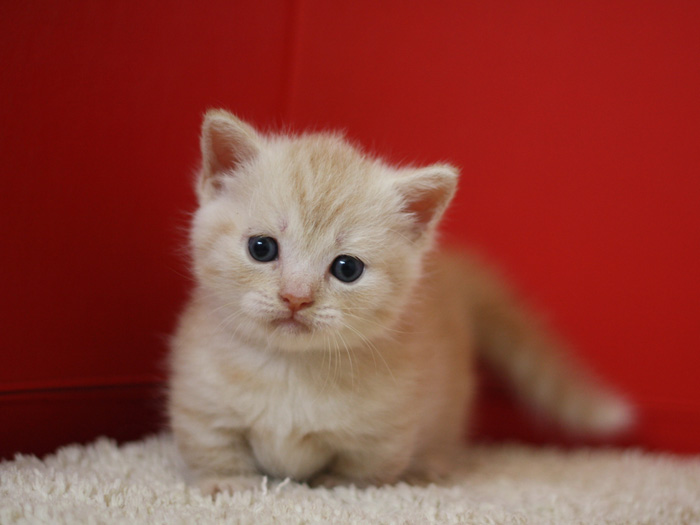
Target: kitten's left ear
(226, 142)
(426, 192)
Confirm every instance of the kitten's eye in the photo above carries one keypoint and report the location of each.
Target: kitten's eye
(347, 268)
(263, 249)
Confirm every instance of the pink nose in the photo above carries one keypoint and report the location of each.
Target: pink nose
(295, 302)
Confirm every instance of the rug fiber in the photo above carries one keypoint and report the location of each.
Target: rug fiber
(139, 482)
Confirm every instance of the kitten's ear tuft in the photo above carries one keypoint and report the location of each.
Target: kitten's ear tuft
(426, 192)
(226, 143)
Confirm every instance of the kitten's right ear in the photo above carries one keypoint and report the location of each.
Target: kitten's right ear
(226, 143)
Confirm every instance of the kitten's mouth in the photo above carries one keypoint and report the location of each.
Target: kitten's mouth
(292, 325)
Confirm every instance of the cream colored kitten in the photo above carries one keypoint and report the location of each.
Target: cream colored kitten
(324, 340)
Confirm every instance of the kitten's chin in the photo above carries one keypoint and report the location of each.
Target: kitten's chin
(299, 334)
(291, 326)
(293, 335)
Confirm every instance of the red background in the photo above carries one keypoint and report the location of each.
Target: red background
(575, 124)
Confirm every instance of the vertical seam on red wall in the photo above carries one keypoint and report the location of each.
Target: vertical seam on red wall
(292, 45)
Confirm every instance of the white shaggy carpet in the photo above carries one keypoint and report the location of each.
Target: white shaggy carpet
(139, 483)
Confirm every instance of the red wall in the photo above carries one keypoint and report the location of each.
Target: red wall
(575, 124)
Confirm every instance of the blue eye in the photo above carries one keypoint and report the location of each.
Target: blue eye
(347, 268)
(263, 249)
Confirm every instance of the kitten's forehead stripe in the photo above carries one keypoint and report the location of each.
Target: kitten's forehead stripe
(328, 182)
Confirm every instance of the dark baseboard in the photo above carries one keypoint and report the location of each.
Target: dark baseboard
(39, 421)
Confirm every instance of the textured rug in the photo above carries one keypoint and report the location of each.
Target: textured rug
(139, 483)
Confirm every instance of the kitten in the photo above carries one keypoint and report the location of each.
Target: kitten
(326, 340)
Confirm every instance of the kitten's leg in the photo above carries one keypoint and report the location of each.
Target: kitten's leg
(376, 464)
(433, 466)
(218, 460)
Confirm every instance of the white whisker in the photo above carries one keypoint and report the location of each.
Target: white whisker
(369, 344)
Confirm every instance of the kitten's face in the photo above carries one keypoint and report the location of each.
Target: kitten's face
(303, 242)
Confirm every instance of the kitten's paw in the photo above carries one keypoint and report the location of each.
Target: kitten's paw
(330, 480)
(229, 484)
(423, 478)
(433, 469)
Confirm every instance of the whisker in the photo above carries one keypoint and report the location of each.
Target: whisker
(381, 325)
(347, 351)
(325, 380)
(372, 347)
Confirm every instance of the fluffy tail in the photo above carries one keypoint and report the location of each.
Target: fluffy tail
(538, 366)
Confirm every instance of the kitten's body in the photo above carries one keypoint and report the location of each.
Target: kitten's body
(282, 368)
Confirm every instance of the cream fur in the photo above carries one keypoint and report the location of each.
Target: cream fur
(372, 380)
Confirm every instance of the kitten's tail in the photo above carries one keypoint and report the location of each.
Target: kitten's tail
(538, 366)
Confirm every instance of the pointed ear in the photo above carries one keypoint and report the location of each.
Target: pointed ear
(426, 192)
(226, 143)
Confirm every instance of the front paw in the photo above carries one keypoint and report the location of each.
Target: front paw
(331, 480)
(212, 486)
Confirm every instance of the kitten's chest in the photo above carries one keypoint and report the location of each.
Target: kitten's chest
(294, 435)
(284, 402)
(302, 395)
(294, 425)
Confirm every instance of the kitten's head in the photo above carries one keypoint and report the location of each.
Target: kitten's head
(305, 242)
